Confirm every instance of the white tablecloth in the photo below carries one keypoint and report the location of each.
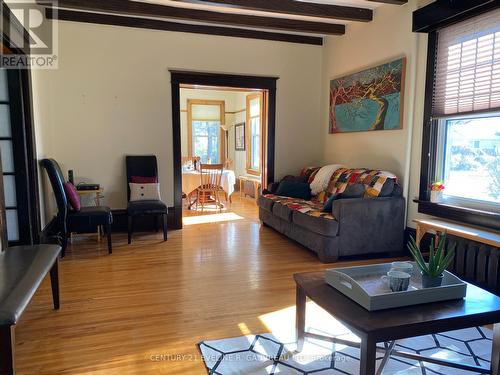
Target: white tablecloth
(191, 181)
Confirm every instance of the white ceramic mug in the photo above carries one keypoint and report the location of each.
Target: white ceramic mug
(398, 281)
(402, 266)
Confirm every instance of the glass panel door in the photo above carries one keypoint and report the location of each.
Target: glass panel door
(8, 165)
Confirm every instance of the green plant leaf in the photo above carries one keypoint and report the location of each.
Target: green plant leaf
(447, 259)
(440, 246)
(432, 249)
(417, 255)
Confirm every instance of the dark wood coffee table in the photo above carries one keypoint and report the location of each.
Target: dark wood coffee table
(479, 308)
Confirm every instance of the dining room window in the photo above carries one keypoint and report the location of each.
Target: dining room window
(206, 141)
(254, 133)
(205, 138)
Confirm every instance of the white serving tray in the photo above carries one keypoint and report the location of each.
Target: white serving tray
(364, 285)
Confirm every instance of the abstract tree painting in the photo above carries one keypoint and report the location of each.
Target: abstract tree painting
(368, 100)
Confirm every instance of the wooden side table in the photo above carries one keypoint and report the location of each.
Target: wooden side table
(96, 192)
(97, 199)
(256, 184)
(469, 232)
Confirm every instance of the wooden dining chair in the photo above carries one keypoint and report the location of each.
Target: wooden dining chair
(210, 185)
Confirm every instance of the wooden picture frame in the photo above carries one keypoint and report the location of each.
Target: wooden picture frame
(239, 137)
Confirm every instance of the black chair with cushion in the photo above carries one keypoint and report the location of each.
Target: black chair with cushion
(68, 220)
(144, 167)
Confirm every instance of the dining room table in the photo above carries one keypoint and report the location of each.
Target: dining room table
(191, 180)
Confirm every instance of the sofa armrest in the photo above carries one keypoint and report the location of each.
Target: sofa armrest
(376, 224)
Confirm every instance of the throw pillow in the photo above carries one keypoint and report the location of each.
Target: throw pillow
(328, 207)
(292, 189)
(353, 191)
(72, 196)
(350, 192)
(144, 192)
(294, 178)
(143, 180)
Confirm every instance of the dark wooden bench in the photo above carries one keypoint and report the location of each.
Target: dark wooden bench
(22, 270)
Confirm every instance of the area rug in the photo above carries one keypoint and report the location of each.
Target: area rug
(268, 354)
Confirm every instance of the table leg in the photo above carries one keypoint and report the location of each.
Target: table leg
(495, 352)
(7, 350)
(368, 356)
(300, 317)
(420, 233)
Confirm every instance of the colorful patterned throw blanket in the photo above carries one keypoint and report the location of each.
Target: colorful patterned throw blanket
(311, 208)
(373, 180)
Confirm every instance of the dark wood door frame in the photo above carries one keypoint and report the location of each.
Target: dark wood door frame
(225, 80)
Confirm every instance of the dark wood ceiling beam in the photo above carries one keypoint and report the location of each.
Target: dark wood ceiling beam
(144, 23)
(133, 8)
(298, 8)
(395, 2)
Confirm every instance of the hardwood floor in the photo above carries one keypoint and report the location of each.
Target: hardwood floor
(142, 309)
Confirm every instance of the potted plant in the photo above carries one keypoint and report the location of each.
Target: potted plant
(439, 260)
(436, 191)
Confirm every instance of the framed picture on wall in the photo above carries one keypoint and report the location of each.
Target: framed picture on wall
(371, 99)
(239, 137)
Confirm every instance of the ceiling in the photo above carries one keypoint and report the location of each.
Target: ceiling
(297, 21)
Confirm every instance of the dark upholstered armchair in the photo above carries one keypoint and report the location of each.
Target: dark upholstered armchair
(143, 166)
(72, 221)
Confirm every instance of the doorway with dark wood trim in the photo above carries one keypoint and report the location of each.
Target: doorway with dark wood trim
(225, 81)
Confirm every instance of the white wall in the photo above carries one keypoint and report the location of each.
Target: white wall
(388, 37)
(111, 97)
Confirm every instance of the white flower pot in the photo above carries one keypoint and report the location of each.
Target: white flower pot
(436, 196)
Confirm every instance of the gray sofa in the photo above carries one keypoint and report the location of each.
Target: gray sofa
(361, 225)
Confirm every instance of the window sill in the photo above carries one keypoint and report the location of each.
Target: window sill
(461, 214)
(253, 172)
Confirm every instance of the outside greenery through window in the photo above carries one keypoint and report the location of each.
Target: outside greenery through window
(470, 166)
(206, 141)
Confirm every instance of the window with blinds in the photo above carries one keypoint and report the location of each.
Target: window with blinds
(467, 72)
(466, 112)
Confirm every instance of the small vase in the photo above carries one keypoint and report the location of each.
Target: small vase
(436, 196)
(431, 281)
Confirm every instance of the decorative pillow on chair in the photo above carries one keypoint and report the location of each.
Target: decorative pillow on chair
(293, 189)
(144, 192)
(72, 196)
(143, 180)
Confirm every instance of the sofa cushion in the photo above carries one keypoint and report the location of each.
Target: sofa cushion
(265, 203)
(316, 221)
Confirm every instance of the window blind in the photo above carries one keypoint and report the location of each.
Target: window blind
(467, 72)
(205, 112)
